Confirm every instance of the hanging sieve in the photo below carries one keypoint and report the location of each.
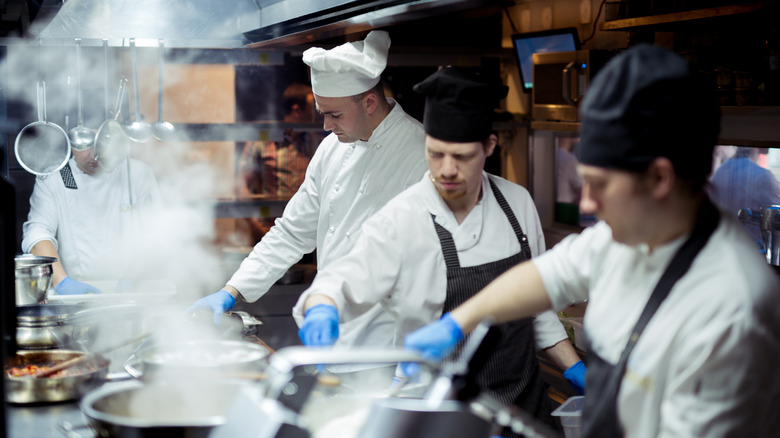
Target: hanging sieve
(112, 144)
(42, 147)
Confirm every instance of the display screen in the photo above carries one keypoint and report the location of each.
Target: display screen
(526, 44)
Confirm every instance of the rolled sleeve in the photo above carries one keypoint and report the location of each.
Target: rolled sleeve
(42, 220)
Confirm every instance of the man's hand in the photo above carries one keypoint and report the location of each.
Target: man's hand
(218, 302)
(320, 326)
(69, 286)
(575, 374)
(435, 341)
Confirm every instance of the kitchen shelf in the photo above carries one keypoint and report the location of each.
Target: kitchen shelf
(754, 126)
(684, 16)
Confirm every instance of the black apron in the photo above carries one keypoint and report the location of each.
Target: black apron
(511, 371)
(600, 416)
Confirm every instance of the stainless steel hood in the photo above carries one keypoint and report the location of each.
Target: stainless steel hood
(294, 22)
(234, 23)
(190, 23)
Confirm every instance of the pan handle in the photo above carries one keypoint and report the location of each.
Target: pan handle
(41, 94)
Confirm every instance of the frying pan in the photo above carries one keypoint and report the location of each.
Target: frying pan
(42, 147)
(111, 142)
(26, 389)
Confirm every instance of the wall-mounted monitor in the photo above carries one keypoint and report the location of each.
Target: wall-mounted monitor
(526, 44)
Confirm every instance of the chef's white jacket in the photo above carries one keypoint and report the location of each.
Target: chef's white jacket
(398, 260)
(707, 363)
(345, 184)
(96, 234)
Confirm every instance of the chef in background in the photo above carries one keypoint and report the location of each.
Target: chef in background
(84, 217)
(701, 360)
(442, 240)
(374, 151)
(741, 183)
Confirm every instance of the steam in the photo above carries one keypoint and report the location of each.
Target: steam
(179, 241)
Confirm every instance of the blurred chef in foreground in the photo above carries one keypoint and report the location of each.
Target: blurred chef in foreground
(701, 360)
(374, 151)
(442, 240)
(85, 218)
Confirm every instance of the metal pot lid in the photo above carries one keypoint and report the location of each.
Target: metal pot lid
(204, 354)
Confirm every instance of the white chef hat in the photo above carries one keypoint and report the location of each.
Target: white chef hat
(350, 68)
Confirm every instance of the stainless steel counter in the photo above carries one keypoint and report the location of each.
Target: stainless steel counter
(28, 421)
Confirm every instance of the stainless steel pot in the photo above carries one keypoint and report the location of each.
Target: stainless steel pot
(33, 278)
(71, 386)
(49, 326)
(171, 409)
(197, 359)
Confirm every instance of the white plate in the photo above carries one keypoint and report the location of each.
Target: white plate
(140, 291)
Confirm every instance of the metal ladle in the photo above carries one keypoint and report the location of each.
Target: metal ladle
(163, 131)
(111, 145)
(81, 137)
(138, 130)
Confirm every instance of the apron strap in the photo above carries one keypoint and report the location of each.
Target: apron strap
(600, 417)
(447, 245)
(521, 237)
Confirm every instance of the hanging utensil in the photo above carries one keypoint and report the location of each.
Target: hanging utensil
(81, 137)
(111, 143)
(138, 130)
(42, 147)
(163, 131)
(106, 79)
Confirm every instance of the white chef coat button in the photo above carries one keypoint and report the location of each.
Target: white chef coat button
(360, 191)
(349, 234)
(337, 187)
(332, 229)
(475, 237)
(379, 146)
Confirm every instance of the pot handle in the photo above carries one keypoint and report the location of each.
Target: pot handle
(131, 366)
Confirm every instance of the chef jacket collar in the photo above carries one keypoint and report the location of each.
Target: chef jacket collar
(383, 132)
(476, 219)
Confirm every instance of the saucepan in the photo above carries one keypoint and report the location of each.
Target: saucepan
(49, 326)
(70, 384)
(171, 409)
(42, 147)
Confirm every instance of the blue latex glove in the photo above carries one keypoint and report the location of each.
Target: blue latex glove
(434, 341)
(69, 286)
(576, 377)
(320, 326)
(218, 302)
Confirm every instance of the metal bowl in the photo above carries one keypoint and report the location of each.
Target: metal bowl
(33, 278)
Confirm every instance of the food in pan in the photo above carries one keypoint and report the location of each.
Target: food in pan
(29, 370)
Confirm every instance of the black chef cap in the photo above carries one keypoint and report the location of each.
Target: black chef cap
(648, 103)
(458, 105)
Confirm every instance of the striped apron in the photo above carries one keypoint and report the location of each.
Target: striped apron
(511, 371)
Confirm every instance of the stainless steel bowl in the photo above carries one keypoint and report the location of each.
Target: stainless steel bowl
(33, 278)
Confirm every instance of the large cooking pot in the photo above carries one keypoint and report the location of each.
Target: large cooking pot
(171, 409)
(33, 278)
(409, 418)
(49, 326)
(197, 359)
(73, 383)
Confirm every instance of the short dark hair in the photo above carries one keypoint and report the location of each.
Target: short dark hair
(379, 89)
